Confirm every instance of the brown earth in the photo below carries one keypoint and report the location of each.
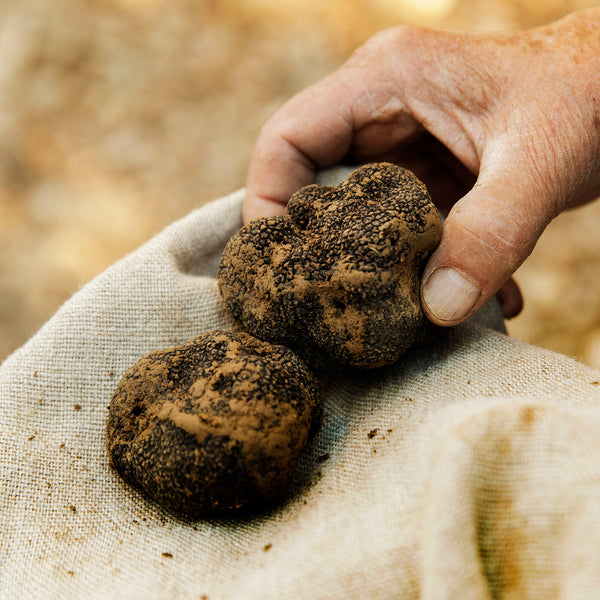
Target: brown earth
(117, 117)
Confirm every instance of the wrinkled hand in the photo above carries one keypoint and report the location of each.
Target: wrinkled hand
(503, 128)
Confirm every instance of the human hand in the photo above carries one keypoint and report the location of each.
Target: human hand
(503, 128)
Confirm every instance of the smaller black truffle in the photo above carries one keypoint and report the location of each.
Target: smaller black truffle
(216, 424)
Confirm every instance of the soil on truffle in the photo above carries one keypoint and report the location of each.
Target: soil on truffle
(216, 424)
(338, 278)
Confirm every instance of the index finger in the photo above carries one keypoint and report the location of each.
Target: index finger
(358, 107)
(311, 131)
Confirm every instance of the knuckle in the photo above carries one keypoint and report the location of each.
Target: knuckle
(377, 46)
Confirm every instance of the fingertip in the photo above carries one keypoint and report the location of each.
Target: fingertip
(448, 296)
(255, 207)
(511, 299)
(276, 171)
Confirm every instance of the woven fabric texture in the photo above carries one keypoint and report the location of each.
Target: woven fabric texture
(470, 469)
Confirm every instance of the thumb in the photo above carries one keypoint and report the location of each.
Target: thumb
(485, 238)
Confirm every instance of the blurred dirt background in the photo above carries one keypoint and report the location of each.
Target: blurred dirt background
(119, 116)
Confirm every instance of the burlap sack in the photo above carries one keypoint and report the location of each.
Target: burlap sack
(471, 469)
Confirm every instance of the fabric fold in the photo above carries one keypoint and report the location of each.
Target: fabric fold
(428, 478)
(511, 481)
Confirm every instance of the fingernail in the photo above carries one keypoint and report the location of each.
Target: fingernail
(449, 295)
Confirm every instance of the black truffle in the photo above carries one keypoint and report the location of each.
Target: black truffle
(337, 279)
(213, 425)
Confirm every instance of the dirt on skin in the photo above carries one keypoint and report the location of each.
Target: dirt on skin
(216, 424)
(337, 279)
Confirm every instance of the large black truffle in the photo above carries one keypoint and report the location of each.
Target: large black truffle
(338, 278)
(213, 425)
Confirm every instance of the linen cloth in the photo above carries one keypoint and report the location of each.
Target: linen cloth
(469, 469)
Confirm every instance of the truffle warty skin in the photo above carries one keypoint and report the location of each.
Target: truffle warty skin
(214, 425)
(337, 279)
